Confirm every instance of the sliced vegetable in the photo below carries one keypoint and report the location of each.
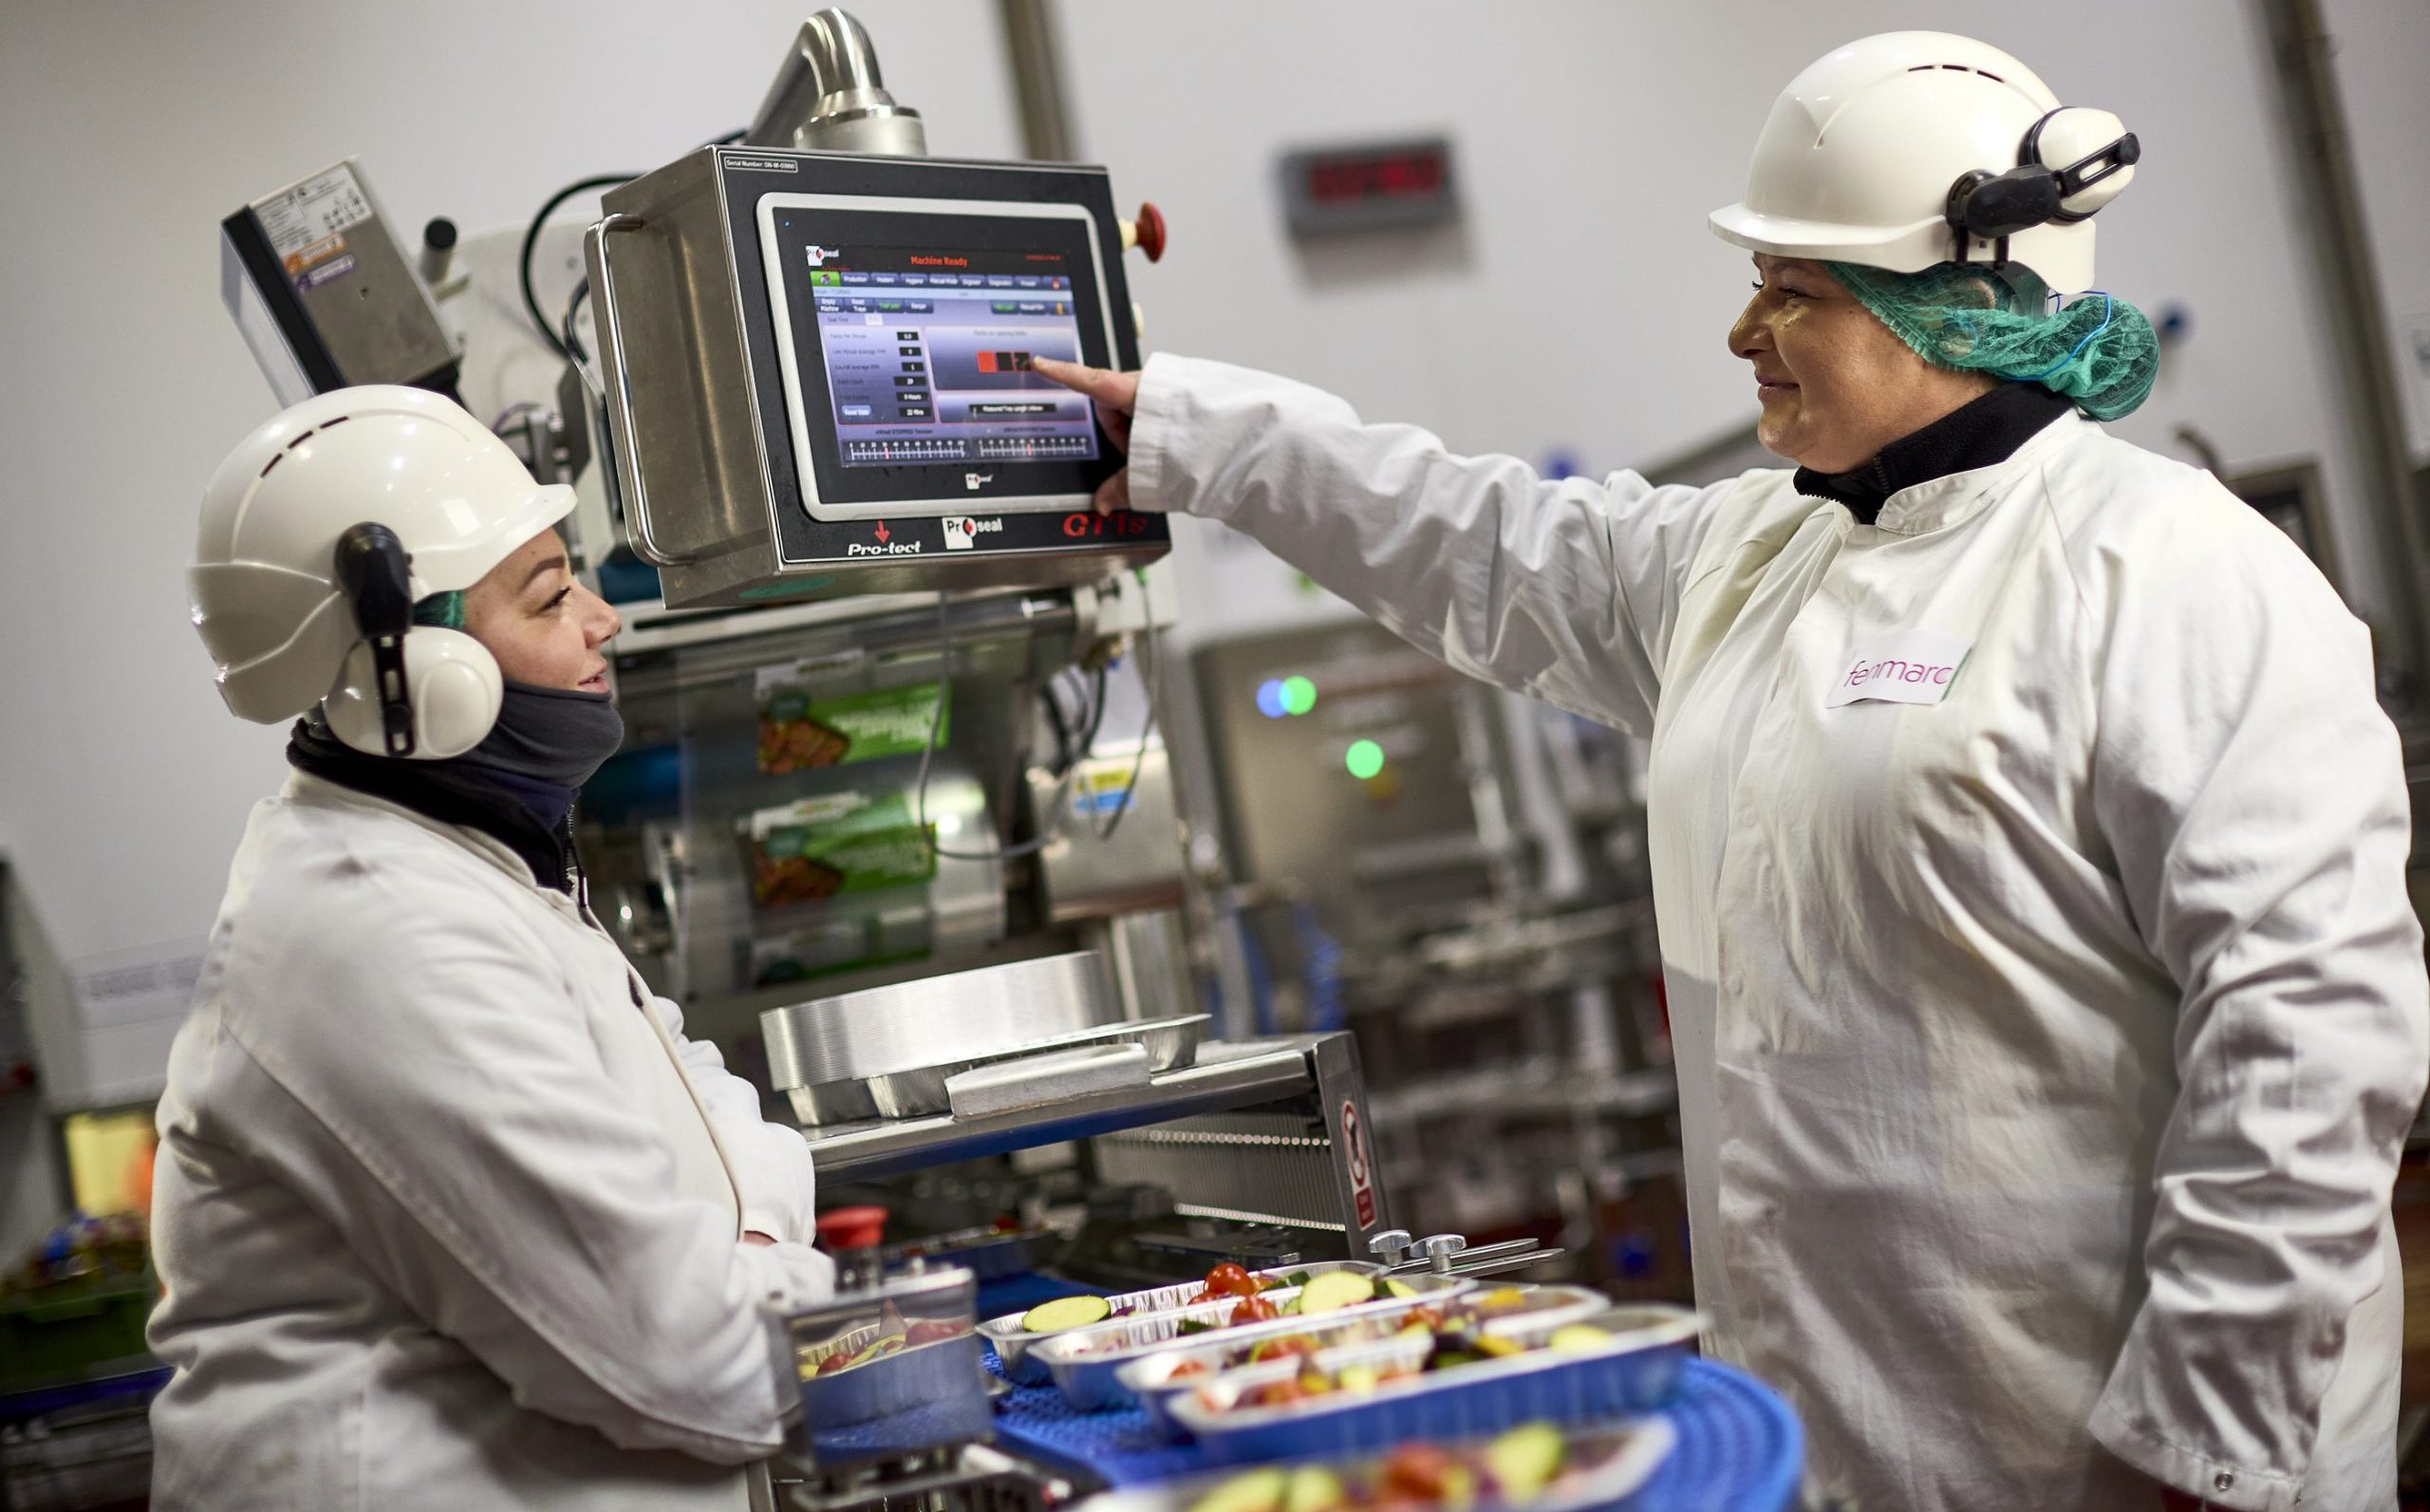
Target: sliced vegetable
(1577, 1336)
(1256, 1491)
(1315, 1488)
(1066, 1312)
(1358, 1378)
(1393, 1289)
(1524, 1461)
(1333, 1291)
(932, 1332)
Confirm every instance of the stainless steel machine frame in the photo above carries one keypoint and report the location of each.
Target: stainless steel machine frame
(1293, 1107)
(695, 401)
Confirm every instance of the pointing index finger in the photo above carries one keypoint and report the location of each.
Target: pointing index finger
(1106, 387)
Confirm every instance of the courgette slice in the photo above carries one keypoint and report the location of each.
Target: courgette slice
(1256, 1491)
(1333, 1291)
(1066, 1312)
(1524, 1461)
(1315, 1488)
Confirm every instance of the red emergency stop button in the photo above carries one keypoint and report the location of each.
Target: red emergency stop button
(1148, 231)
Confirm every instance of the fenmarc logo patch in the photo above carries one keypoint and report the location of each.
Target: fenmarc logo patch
(1911, 667)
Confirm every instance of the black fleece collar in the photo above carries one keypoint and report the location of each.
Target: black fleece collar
(449, 793)
(1976, 434)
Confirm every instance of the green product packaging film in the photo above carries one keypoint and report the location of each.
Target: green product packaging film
(834, 845)
(801, 732)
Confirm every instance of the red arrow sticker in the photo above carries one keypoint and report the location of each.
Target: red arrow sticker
(883, 534)
(1362, 1190)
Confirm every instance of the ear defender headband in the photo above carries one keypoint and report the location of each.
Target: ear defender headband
(408, 689)
(375, 575)
(1988, 207)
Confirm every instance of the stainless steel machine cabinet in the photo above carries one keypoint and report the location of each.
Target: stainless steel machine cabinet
(1257, 1135)
(817, 382)
(1456, 875)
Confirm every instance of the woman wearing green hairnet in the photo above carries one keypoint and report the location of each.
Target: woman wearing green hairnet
(2028, 846)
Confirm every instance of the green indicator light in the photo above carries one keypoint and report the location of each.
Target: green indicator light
(1299, 694)
(1364, 759)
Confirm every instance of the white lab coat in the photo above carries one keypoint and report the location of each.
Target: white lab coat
(2044, 1052)
(447, 1210)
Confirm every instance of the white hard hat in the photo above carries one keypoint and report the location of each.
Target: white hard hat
(423, 500)
(1915, 148)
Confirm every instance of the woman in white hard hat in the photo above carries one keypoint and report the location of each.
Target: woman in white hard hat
(449, 1212)
(2028, 846)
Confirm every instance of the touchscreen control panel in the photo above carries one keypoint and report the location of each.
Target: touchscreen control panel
(929, 355)
(909, 334)
(819, 374)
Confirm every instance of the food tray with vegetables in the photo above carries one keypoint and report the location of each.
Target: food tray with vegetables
(1154, 1380)
(1014, 1334)
(1534, 1468)
(1087, 1363)
(886, 1370)
(1449, 1384)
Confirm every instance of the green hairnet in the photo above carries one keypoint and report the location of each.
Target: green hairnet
(2099, 351)
(446, 610)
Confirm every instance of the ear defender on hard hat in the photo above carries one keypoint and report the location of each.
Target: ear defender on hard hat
(405, 689)
(2099, 155)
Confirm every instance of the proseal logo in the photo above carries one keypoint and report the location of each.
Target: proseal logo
(961, 532)
(818, 255)
(973, 480)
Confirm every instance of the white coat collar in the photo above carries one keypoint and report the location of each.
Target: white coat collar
(302, 787)
(1958, 496)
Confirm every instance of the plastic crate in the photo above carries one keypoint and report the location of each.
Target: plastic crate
(70, 1331)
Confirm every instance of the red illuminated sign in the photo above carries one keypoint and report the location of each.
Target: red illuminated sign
(1385, 176)
(1370, 186)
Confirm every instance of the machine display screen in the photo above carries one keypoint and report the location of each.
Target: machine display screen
(929, 355)
(907, 337)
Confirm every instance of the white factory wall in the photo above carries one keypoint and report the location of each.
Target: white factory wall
(1579, 309)
(132, 129)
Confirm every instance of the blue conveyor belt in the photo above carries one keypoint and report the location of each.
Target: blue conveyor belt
(1739, 1446)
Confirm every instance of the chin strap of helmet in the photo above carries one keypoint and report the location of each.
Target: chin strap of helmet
(372, 571)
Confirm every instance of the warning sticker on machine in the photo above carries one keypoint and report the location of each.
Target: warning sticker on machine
(1362, 1183)
(306, 224)
(315, 277)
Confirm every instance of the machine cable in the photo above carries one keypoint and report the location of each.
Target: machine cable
(566, 347)
(1052, 827)
(1150, 675)
(531, 244)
